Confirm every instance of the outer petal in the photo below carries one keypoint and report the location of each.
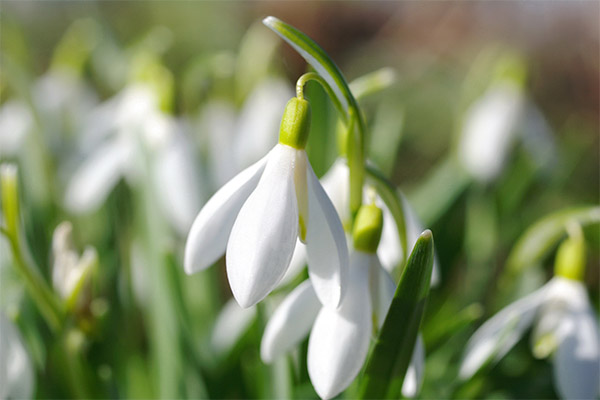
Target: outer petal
(91, 184)
(414, 375)
(577, 359)
(383, 289)
(16, 372)
(232, 323)
(336, 184)
(339, 340)
(499, 334)
(326, 247)
(297, 263)
(264, 234)
(208, 236)
(291, 322)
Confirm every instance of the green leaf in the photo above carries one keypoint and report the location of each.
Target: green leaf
(387, 364)
(316, 57)
(540, 238)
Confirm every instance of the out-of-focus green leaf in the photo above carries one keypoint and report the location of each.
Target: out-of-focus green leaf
(542, 236)
(372, 82)
(393, 350)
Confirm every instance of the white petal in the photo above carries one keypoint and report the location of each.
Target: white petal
(326, 247)
(297, 263)
(231, 324)
(414, 375)
(264, 234)
(15, 122)
(178, 183)
(336, 183)
(17, 379)
(258, 124)
(339, 340)
(489, 129)
(577, 359)
(91, 184)
(208, 236)
(383, 289)
(500, 333)
(290, 323)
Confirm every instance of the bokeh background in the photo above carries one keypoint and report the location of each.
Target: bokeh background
(148, 330)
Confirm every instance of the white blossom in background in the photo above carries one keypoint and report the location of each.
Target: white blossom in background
(337, 186)
(494, 123)
(339, 338)
(235, 140)
(564, 326)
(17, 377)
(255, 219)
(121, 135)
(231, 325)
(70, 271)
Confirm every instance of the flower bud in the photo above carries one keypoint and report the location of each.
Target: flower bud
(295, 123)
(570, 258)
(367, 228)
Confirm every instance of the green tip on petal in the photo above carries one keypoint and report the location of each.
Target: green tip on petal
(367, 228)
(570, 258)
(295, 124)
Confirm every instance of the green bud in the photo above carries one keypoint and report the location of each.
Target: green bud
(570, 258)
(295, 123)
(367, 228)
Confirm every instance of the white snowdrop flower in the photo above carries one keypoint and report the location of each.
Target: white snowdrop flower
(257, 217)
(119, 132)
(339, 338)
(15, 123)
(70, 272)
(17, 378)
(492, 125)
(564, 324)
(337, 186)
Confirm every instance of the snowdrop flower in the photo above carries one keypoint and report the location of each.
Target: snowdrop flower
(117, 134)
(491, 126)
(17, 379)
(337, 186)
(564, 324)
(70, 272)
(339, 338)
(258, 215)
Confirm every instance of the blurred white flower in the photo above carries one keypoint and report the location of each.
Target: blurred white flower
(564, 324)
(118, 135)
(235, 141)
(491, 126)
(339, 338)
(336, 184)
(258, 216)
(231, 324)
(70, 272)
(17, 378)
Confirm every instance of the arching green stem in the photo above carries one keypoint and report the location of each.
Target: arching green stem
(313, 76)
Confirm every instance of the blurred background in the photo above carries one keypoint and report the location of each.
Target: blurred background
(125, 117)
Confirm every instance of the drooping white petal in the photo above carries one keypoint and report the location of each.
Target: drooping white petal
(231, 324)
(178, 183)
(17, 380)
(414, 375)
(210, 231)
(326, 247)
(264, 234)
(500, 333)
(92, 182)
(339, 340)
(577, 358)
(290, 322)
(489, 129)
(258, 125)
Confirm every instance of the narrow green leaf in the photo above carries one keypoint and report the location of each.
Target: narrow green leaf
(316, 57)
(387, 364)
(542, 236)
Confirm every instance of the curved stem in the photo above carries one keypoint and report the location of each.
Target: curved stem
(313, 76)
